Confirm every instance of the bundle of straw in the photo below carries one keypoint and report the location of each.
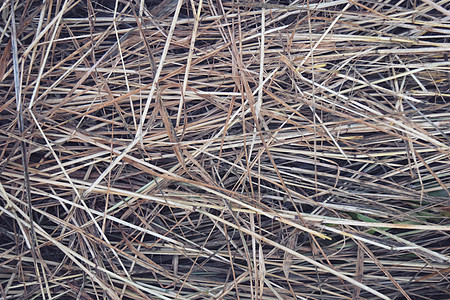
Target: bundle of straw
(224, 149)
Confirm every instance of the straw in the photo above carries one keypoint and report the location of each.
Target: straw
(224, 149)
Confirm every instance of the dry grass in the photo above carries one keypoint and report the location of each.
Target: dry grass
(225, 149)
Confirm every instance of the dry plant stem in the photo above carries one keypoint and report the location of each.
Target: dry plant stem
(189, 60)
(196, 149)
(158, 71)
(19, 105)
(313, 262)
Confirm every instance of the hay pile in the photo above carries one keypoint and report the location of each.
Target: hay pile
(218, 149)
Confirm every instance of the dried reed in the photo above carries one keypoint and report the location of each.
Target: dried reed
(224, 149)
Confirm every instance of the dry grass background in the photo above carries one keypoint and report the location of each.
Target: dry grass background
(217, 149)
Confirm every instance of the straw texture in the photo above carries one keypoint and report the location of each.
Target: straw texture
(224, 149)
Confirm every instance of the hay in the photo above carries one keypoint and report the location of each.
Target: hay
(224, 150)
